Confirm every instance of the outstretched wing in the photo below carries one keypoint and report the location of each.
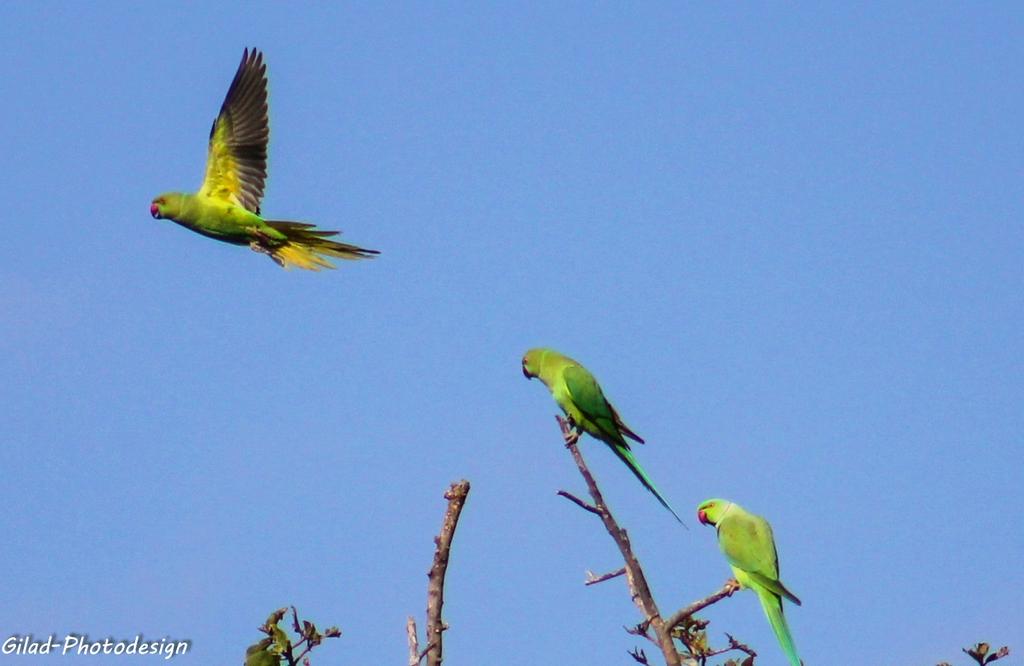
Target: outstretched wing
(236, 166)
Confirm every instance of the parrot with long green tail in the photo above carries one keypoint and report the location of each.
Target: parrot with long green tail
(581, 399)
(227, 205)
(747, 542)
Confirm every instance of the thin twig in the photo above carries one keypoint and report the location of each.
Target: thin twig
(736, 645)
(580, 503)
(639, 590)
(593, 579)
(456, 496)
(303, 654)
(642, 630)
(727, 590)
(733, 645)
(414, 641)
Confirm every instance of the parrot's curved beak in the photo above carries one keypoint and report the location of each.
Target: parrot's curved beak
(154, 210)
(702, 516)
(526, 373)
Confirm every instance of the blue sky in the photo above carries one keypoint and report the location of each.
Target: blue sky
(788, 242)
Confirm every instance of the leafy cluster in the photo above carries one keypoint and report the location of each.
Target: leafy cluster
(279, 648)
(982, 654)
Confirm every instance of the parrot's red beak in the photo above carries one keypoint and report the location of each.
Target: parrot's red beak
(154, 210)
(703, 517)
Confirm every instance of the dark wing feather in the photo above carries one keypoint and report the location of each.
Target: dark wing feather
(589, 399)
(236, 167)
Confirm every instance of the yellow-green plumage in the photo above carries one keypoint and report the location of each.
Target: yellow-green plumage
(227, 206)
(748, 544)
(581, 399)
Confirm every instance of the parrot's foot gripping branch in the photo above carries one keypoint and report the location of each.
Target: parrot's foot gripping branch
(570, 434)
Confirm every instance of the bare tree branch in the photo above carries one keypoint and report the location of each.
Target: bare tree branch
(456, 496)
(578, 502)
(735, 645)
(638, 588)
(594, 579)
(642, 630)
(414, 642)
(727, 590)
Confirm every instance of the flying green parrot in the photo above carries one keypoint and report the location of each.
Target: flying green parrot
(227, 205)
(748, 544)
(580, 397)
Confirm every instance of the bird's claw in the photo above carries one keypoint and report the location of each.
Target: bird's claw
(258, 248)
(569, 431)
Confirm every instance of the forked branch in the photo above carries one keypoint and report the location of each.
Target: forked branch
(639, 590)
(659, 631)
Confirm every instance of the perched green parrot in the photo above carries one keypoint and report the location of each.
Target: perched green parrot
(748, 544)
(227, 206)
(580, 397)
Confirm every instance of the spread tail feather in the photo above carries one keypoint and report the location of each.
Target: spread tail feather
(308, 247)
